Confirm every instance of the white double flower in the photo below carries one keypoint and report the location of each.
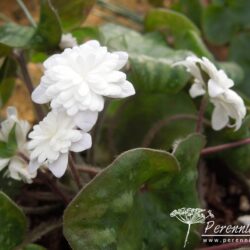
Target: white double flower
(75, 83)
(207, 79)
(17, 167)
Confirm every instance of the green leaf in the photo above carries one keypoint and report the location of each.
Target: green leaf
(187, 153)
(13, 223)
(7, 79)
(8, 149)
(141, 113)
(48, 32)
(127, 206)
(221, 21)
(190, 40)
(237, 52)
(186, 34)
(111, 200)
(150, 59)
(236, 158)
(192, 9)
(169, 20)
(74, 12)
(14, 36)
(9, 186)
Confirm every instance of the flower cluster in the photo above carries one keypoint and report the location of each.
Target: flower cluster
(75, 83)
(217, 85)
(17, 167)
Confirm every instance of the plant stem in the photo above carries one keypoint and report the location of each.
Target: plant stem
(96, 135)
(201, 114)
(52, 184)
(27, 80)
(27, 13)
(216, 149)
(234, 245)
(89, 170)
(40, 231)
(74, 172)
(164, 122)
(186, 239)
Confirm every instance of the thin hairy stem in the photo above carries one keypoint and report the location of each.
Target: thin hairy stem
(202, 110)
(40, 231)
(53, 186)
(164, 122)
(19, 56)
(89, 170)
(75, 172)
(222, 147)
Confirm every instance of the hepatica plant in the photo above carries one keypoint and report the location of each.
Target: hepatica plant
(121, 121)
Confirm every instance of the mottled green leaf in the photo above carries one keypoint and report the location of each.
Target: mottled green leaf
(187, 153)
(48, 32)
(14, 36)
(127, 206)
(150, 59)
(73, 12)
(112, 199)
(13, 223)
(142, 112)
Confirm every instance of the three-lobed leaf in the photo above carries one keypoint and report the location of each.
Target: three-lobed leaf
(111, 198)
(127, 205)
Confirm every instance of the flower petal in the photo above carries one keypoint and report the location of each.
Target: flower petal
(59, 166)
(3, 163)
(83, 144)
(219, 118)
(33, 166)
(214, 89)
(196, 90)
(85, 120)
(38, 95)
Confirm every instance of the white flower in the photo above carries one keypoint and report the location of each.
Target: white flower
(218, 81)
(77, 79)
(198, 87)
(51, 141)
(17, 166)
(207, 79)
(67, 41)
(227, 105)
